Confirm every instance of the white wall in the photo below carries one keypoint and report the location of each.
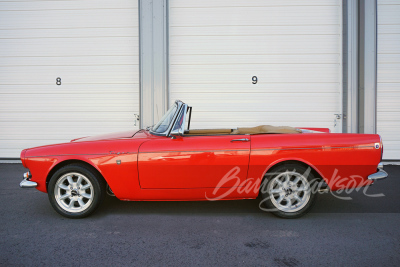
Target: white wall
(91, 45)
(388, 87)
(293, 47)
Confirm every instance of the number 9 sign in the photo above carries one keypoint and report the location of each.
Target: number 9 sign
(254, 79)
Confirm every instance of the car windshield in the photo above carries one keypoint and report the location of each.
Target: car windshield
(165, 121)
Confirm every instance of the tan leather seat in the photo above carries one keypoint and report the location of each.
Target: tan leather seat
(266, 129)
(210, 131)
(247, 130)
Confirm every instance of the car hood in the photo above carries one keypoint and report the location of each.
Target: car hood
(109, 136)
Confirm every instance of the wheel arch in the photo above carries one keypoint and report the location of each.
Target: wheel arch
(317, 174)
(64, 163)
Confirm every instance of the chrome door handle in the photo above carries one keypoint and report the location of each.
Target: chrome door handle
(240, 140)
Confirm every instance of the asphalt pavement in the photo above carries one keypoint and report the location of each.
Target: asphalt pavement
(364, 231)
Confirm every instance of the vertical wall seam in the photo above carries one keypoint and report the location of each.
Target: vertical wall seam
(376, 66)
(140, 66)
(152, 60)
(167, 81)
(350, 66)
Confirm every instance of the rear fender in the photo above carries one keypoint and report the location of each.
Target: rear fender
(277, 162)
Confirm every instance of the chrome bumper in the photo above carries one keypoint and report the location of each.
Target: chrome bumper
(379, 175)
(26, 183)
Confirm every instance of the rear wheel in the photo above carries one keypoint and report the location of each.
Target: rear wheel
(75, 191)
(287, 190)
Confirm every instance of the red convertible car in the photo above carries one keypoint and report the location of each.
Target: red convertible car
(286, 167)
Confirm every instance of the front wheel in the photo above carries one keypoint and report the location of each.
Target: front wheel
(75, 192)
(287, 190)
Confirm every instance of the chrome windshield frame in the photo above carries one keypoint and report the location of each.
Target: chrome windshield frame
(184, 109)
(167, 132)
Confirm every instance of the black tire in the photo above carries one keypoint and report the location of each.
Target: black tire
(277, 187)
(86, 192)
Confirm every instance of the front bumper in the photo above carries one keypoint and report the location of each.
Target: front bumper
(379, 175)
(25, 183)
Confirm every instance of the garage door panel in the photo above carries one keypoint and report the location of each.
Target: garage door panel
(280, 87)
(388, 87)
(18, 145)
(390, 102)
(260, 101)
(269, 73)
(55, 61)
(388, 139)
(388, 59)
(76, 89)
(68, 33)
(253, 3)
(205, 59)
(388, 43)
(389, 72)
(64, 136)
(388, 94)
(202, 120)
(58, 119)
(273, 115)
(66, 103)
(228, 30)
(388, 29)
(388, 13)
(116, 46)
(276, 15)
(5, 153)
(65, 18)
(92, 46)
(228, 125)
(66, 5)
(389, 131)
(273, 44)
(388, 2)
(392, 153)
(293, 47)
(389, 117)
(68, 74)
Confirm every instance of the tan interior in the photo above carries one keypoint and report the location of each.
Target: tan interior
(266, 129)
(246, 130)
(210, 131)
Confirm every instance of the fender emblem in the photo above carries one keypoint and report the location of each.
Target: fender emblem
(117, 153)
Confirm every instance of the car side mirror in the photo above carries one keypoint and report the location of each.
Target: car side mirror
(176, 133)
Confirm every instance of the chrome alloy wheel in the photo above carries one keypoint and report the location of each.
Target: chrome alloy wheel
(289, 191)
(74, 192)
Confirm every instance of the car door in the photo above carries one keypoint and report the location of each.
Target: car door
(194, 162)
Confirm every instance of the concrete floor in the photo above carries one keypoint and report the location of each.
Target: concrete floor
(364, 231)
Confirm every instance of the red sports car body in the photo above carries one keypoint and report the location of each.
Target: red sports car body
(171, 162)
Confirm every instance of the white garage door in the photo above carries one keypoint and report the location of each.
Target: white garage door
(293, 48)
(388, 106)
(91, 45)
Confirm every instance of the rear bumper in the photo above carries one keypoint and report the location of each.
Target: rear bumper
(379, 175)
